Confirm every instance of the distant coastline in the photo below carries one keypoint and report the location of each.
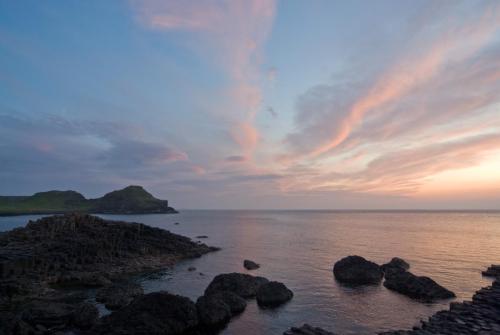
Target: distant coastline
(130, 200)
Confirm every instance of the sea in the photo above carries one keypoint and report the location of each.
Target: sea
(299, 248)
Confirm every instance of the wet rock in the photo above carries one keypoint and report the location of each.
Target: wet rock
(492, 271)
(118, 295)
(212, 311)
(273, 294)
(244, 285)
(307, 330)
(416, 287)
(396, 264)
(356, 270)
(157, 313)
(85, 316)
(250, 265)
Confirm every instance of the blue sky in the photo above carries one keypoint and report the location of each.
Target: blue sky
(254, 104)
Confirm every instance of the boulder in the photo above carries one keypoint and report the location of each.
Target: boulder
(307, 330)
(212, 311)
(118, 295)
(244, 285)
(273, 294)
(85, 316)
(416, 287)
(236, 303)
(396, 264)
(356, 270)
(157, 313)
(250, 265)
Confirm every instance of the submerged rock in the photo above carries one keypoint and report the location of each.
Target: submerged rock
(307, 330)
(416, 287)
(244, 285)
(157, 313)
(356, 270)
(250, 265)
(118, 295)
(273, 294)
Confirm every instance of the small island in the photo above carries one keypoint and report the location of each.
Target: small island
(130, 200)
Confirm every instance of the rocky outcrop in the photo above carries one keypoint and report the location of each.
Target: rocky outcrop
(156, 313)
(273, 294)
(250, 265)
(492, 271)
(307, 330)
(356, 270)
(416, 287)
(88, 250)
(481, 316)
(118, 295)
(244, 285)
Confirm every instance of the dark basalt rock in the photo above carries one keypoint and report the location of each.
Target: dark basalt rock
(250, 265)
(244, 285)
(356, 270)
(492, 271)
(273, 294)
(48, 314)
(77, 249)
(85, 316)
(416, 287)
(157, 313)
(118, 295)
(307, 330)
(212, 311)
(236, 303)
(396, 264)
(477, 317)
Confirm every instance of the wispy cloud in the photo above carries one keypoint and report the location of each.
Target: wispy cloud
(434, 109)
(233, 33)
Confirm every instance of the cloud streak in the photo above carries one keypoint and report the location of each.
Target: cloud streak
(233, 33)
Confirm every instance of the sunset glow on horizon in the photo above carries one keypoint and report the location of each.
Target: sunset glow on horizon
(254, 103)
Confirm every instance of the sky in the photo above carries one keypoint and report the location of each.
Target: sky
(254, 104)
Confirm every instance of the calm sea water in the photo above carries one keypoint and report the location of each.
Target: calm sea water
(299, 248)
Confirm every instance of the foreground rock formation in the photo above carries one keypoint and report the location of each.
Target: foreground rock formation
(481, 316)
(356, 270)
(75, 251)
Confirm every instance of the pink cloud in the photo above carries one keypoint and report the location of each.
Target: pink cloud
(234, 32)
